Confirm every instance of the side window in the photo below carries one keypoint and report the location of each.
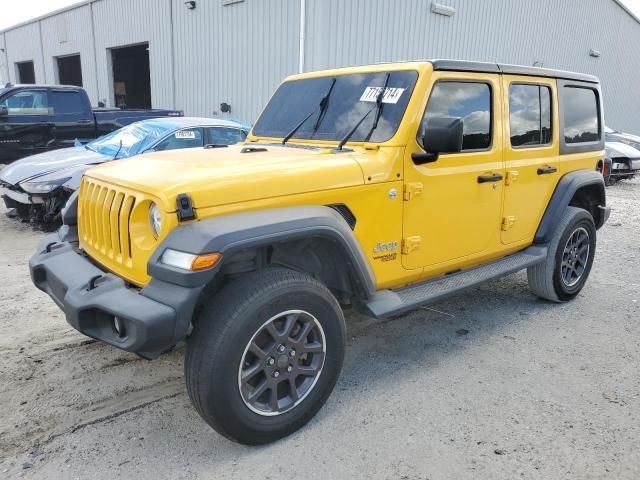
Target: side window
(188, 138)
(529, 115)
(67, 103)
(469, 101)
(580, 112)
(31, 102)
(225, 135)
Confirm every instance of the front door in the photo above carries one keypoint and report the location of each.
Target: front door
(452, 206)
(27, 127)
(531, 154)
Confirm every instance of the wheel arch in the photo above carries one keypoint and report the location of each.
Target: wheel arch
(313, 239)
(583, 189)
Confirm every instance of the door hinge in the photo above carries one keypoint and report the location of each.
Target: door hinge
(411, 190)
(512, 176)
(508, 222)
(409, 244)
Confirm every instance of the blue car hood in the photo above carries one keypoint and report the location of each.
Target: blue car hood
(53, 164)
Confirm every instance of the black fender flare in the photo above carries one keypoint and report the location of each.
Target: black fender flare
(230, 233)
(565, 190)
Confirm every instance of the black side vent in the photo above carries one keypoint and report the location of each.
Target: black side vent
(347, 214)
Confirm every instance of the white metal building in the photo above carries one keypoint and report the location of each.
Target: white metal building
(197, 55)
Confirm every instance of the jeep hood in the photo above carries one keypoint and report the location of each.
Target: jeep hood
(218, 176)
(52, 164)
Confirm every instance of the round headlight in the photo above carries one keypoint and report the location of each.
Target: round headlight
(155, 219)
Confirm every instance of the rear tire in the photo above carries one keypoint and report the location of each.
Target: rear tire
(571, 251)
(272, 320)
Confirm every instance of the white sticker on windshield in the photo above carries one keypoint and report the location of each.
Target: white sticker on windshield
(390, 95)
(186, 134)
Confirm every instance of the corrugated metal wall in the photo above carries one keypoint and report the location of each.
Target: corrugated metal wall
(4, 72)
(239, 52)
(235, 54)
(120, 23)
(67, 34)
(24, 44)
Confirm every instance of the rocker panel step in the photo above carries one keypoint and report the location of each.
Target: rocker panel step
(388, 303)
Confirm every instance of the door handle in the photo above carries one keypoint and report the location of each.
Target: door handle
(84, 122)
(547, 170)
(495, 177)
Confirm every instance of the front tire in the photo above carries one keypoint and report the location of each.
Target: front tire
(265, 355)
(571, 251)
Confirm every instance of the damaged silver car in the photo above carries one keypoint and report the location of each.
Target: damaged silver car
(36, 188)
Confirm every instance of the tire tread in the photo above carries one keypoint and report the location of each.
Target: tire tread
(217, 317)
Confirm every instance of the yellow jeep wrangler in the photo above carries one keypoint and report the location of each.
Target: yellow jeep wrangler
(381, 187)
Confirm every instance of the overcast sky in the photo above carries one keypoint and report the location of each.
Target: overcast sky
(19, 11)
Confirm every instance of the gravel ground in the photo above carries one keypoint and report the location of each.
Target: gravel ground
(493, 384)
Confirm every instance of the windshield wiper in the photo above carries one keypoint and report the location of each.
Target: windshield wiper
(296, 128)
(377, 107)
(324, 103)
(118, 151)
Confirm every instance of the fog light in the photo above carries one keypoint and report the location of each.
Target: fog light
(118, 327)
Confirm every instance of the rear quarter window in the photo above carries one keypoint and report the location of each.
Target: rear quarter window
(67, 103)
(581, 119)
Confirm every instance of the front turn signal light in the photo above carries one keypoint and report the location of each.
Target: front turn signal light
(189, 261)
(202, 262)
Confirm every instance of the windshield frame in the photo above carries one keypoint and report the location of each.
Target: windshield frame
(411, 77)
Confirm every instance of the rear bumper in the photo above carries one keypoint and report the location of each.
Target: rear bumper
(92, 299)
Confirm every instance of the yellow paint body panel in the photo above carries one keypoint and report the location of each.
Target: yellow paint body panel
(527, 194)
(448, 220)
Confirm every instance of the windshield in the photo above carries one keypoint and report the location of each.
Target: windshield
(135, 139)
(350, 99)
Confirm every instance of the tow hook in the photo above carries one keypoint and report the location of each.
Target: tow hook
(92, 282)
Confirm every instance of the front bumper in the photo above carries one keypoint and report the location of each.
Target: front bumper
(92, 299)
(11, 197)
(625, 166)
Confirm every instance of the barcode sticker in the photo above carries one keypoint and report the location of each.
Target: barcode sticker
(186, 134)
(390, 95)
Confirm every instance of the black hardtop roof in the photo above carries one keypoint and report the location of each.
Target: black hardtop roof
(469, 66)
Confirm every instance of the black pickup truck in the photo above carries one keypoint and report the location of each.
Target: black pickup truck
(36, 118)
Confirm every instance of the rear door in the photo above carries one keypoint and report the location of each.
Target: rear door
(452, 206)
(73, 117)
(224, 135)
(531, 154)
(27, 127)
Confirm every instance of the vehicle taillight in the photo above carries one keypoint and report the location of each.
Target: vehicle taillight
(605, 170)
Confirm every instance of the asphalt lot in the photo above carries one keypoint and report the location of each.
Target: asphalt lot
(493, 384)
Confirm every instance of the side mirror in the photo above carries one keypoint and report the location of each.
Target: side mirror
(441, 135)
(4, 111)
